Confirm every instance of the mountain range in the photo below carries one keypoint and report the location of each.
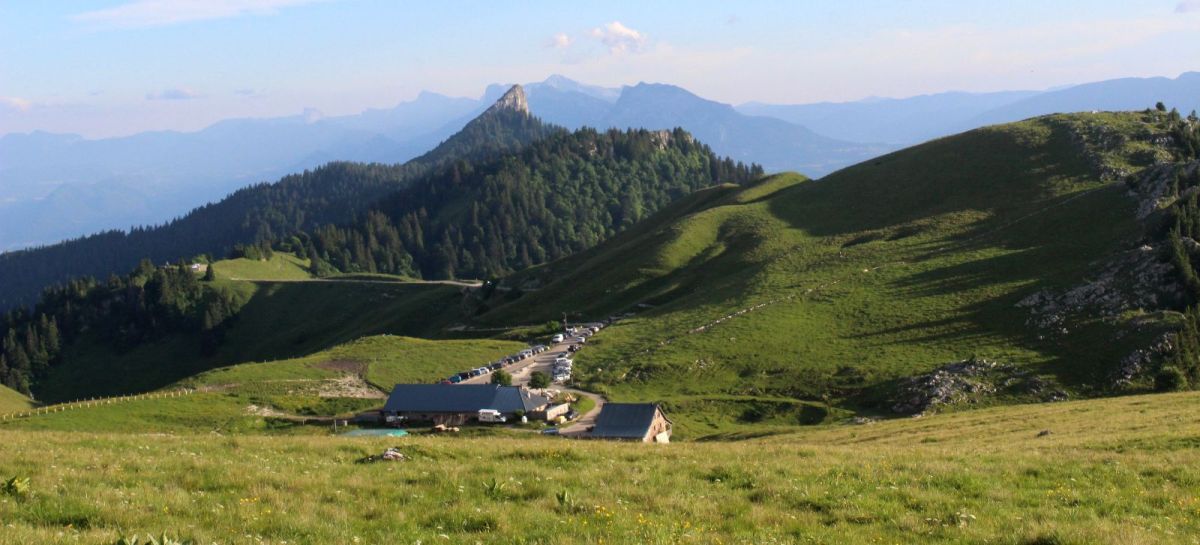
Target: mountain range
(62, 186)
(506, 192)
(907, 121)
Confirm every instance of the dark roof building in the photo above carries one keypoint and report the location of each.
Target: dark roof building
(644, 422)
(447, 403)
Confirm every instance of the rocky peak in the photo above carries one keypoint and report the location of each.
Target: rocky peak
(514, 99)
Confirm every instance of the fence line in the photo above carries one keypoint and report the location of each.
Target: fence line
(94, 402)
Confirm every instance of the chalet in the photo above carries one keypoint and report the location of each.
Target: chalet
(457, 404)
(643, 422)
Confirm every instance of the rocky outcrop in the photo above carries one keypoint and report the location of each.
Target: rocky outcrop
(969, 381)
(1140, 360)
(1153, 186)
(1135, 279)
(514, 99)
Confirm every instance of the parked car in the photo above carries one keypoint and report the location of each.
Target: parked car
(574, 348)
(495, 366)
(550, 431)
(557, 339)
(455, 379)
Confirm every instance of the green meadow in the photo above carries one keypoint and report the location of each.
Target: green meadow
(1107, 471)
(793, 300)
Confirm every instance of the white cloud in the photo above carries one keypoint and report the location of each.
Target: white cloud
(152, 13)
(560, 41)
(175, 93)
(619, 38)
(1188, 6)
(15, 103)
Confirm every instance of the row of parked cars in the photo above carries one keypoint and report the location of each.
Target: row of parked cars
(560, 372)
(576, 336)
(497, 365)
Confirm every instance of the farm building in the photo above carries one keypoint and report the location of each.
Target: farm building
(643, 422)
(457, 404)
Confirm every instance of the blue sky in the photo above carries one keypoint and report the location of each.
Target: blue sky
(103, 68)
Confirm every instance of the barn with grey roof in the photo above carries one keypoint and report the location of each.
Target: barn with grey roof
(457, 404)
(643, 422)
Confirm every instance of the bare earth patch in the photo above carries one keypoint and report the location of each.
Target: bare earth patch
(349, 386)
(344, 366)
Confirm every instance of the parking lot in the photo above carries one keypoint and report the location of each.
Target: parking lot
(522, 370)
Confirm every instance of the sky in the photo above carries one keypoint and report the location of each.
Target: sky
(105, 68)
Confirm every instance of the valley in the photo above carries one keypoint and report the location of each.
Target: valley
(614, 313)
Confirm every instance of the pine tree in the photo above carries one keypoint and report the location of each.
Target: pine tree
(209, 274)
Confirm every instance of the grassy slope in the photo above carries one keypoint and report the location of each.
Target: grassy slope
(1111, 471)
(383, 361)
(300, 386)
(12, 401)
(281, 266)
(883, 270)
(280, 320)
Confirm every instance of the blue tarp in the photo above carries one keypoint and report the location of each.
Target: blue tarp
(375, 433)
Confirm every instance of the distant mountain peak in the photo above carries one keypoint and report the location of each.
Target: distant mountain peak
(559, 80)
(514, 99)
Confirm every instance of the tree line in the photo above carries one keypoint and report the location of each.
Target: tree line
(1182, 370)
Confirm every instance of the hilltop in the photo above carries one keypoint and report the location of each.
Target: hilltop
(790, 300)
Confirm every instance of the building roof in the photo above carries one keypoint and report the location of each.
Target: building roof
(625, 420)
(463, 398)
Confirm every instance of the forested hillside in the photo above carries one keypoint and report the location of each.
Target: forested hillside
(330, 194)
(484, 214)
(122, 312)
(560, 195)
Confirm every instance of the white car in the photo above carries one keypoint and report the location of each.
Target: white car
(556, 339)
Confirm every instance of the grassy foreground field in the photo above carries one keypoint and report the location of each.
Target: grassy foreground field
(1116, 471)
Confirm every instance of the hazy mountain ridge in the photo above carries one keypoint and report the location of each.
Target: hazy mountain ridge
(176, 172)
(917, 119)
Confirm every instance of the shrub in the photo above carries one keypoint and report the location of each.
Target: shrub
(1170, 379)
(16, 487)
(502, 377)
(539, 380)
